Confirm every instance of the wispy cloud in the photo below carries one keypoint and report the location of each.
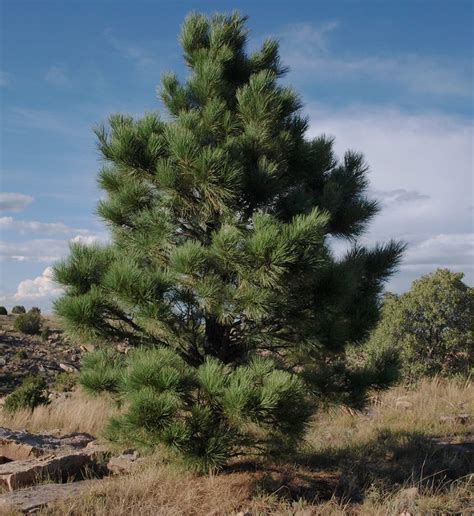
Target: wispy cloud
(398, 196)
(36, 227)
(5, 78)
(39, 119)
(443, 250)
(40, 250)
(45, 250)
(307, 51)
(14, 201)
(140, 56)
(57, 76)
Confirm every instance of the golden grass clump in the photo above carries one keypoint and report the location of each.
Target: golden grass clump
(77, 413)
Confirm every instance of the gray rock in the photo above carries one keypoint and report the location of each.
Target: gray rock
(21, 473)
(20, 445)
(33, 498)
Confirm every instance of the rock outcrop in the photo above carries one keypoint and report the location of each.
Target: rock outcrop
(32, 499)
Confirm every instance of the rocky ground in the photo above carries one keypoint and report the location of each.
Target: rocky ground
(22, 355)
(68, 464)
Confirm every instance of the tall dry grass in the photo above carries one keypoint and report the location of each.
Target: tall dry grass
(416, 409)
(77, 413)
(398, 456)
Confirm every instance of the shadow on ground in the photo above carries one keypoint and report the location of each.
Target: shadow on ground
(388, 462)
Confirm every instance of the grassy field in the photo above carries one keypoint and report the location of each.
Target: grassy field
(398, 457)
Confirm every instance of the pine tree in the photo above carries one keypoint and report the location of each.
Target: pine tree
(220, 271)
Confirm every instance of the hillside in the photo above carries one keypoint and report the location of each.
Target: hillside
(22, 355)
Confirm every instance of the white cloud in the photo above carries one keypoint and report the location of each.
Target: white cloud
(88, 239)
(421, 170)
(57, 76)
(14, 201)
(40, 287)
(305, 48)
(36, 227)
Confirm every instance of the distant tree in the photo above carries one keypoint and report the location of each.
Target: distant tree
(35, 309)
(220, 268)
(431, 327)
(3, 310)
(18, 309)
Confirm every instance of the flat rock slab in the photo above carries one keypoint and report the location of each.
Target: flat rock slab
(31, 499)
(21, 445)
(21, 473)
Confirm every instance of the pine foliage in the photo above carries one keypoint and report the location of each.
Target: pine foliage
(220, 215)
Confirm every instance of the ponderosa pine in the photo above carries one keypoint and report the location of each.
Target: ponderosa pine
(220, 270)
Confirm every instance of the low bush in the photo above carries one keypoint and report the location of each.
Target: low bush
(29, 323)
(3, 310)
(35, 309)
(45, 333)
(429, 328)
(18, 309)
(22, 354)
(30, 394)
(65, 382)
(205, 415)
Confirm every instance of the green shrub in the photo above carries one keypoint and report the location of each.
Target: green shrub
(3, 310)
(22, 354)
(430, 327)
(45, 333)
(205, 415)
(35, 309)
(29, 323)
(65, 382)
(18, 309)
(29, 395)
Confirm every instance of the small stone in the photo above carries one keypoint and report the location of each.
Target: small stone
(68, 368)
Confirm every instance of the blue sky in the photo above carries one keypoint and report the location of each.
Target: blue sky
(393, 79)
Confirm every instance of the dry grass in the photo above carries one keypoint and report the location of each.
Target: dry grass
(77, 413)
(399, 456)
(398, 410)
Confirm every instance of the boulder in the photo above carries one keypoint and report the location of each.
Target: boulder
(21, 445)
(20, 473)
(31, 499)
